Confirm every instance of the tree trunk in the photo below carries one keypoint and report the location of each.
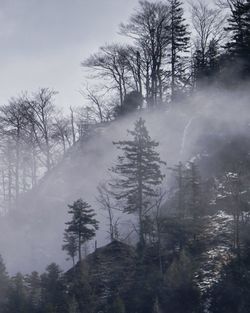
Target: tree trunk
(140, 191)
(72, 125)
(147, 84)
(17, 166)
(138, 61)
(120, 91)
(173, 59)
(79, 248)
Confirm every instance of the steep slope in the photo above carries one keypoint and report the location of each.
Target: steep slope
(36, 227)
(32, 234)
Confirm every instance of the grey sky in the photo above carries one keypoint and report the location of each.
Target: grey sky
(42, 42)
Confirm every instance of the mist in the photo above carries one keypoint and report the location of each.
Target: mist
(33, 233)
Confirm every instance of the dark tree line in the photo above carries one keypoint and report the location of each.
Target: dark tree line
(168, 57)
(160, 36)
(33, 292)
(161, 271)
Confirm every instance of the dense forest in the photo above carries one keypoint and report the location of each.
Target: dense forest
(180, 75)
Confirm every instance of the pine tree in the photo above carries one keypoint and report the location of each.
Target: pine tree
(205, 67)
(199, 67)
(239, 28)
(83, 225)
(4, 284)
(33, 283)
(80, 291)
(138, 173)
(212, 58)
(53, 299)
(179, 38)
(17, 295)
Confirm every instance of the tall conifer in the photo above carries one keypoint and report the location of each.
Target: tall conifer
(83, 225)
(138, 173)
(239, 29)
(179, 39)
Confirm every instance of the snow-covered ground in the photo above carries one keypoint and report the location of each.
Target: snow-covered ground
(217, 255)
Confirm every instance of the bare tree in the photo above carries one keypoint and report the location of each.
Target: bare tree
(208, 24)
(41, 110)
(62, 132)
(148, 27)
(109, 63)
(33, 138)
(102, 108)
(72, 123)
(134, 65)
(94, 99)
(85, 119)
(13, 122)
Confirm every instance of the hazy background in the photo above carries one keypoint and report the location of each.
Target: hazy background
(209, 119)
(41, 45)
(43, 42)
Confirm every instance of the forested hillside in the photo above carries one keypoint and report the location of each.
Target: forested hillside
(138, 201)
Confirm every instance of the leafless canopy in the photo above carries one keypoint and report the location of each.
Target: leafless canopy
(208, 24)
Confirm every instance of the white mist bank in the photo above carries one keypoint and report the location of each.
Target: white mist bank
(32, 236)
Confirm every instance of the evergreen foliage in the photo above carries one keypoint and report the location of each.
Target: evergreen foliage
(52, 290)
(239, 30)
(82, 226)
(4, 285)
(179, 41)
(17, 295)
(176, 234)
(33, 285)
(138, 173)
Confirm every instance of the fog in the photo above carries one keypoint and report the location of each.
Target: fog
(195, 129)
